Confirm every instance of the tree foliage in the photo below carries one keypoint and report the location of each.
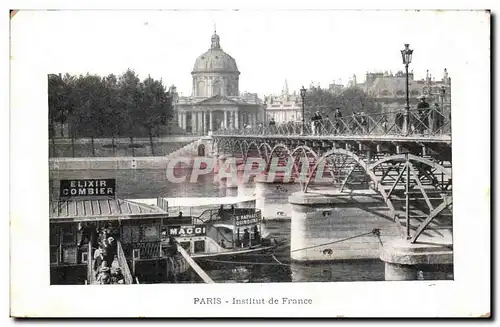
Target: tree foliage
(350, 100)
(122, 106)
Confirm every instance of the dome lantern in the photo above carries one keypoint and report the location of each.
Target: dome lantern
(215, 42)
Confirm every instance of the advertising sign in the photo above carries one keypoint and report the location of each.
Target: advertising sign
(247, 219)
(87, 187)
(191, 230)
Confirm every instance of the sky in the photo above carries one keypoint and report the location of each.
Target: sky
(269, 46)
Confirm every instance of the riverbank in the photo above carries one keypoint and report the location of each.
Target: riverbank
(118, 147)
(112, 163)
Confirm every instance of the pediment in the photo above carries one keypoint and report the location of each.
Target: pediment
(217, 100)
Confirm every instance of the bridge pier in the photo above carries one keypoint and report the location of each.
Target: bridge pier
(403, 258)
(271, 197)
(338, 226)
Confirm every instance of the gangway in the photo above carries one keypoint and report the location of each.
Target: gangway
(120, 261)
(194, 265)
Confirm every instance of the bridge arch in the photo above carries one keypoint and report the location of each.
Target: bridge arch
(237, 145)
(250, 147)
(290, 155)
(418, 171)
(267, 150)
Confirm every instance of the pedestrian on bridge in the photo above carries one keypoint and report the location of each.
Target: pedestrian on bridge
(423, 109)
(337, 116)
(364, 122)
(272, 124)
(437, 118)
(317, 120)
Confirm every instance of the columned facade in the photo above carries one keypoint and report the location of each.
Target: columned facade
(215, 103)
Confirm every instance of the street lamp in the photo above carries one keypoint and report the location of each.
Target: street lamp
(303, 96)
(406, 54)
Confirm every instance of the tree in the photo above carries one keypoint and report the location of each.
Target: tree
(350, 100)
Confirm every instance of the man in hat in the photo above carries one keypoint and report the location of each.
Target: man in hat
(338, 117)
(104, 276)
(98, 259)
(316, 120)
(437, 117)
(116, 276)
(246, 238)
(422, 113)
(109, 250)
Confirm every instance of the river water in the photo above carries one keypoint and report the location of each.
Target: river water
(142, 184)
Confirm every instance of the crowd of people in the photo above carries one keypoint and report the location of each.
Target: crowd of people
(423, 119)
(105, 248)
(246, 241)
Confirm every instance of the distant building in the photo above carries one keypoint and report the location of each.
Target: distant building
(390, 90)
(215, 102)
(336, 88)
(285, 107)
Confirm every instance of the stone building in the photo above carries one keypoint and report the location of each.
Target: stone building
(284, 107)
(390, 89)
(216, 102)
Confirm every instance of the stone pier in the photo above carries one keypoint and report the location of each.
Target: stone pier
(271, 197)
(356, 221)
(403, 258)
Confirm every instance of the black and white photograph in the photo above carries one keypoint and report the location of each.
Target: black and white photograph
(258, 147)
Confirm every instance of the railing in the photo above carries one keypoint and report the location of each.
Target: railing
(421, 122)
(122, 261)
(206, 216)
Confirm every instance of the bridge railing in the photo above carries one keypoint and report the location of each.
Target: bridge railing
(421, 122)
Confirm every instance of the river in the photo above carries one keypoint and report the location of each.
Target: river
(141, 184)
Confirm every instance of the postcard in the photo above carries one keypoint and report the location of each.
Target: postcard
(250, 163)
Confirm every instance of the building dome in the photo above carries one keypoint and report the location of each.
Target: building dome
(215, 60)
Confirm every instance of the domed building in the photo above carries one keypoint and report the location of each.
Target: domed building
(215, 102)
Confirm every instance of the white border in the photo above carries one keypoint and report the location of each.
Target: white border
(32, 296)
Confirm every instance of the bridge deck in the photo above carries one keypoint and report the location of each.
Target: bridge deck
(380, 138)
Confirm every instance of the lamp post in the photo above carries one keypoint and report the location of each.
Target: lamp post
(303, 96)
(406, 54)
(443, 94)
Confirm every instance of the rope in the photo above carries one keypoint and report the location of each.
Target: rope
(375, 231)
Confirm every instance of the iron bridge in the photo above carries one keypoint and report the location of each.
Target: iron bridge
(409, 168)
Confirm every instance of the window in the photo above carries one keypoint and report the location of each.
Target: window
(400, 92)
(199, 246)
(217, 88)
(384, 92)
(54, 235)
(186, 246)
(68, 235)
(54, 253)
(85, 257)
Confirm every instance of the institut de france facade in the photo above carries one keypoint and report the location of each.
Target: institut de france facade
(215, 103)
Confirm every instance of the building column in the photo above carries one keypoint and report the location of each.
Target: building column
(236, 120)
(231, 117)
(254, 119)
(179, 119)
(184, 120)
(194, 127)
(225, 120)
(211, 121)
(200, 122)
